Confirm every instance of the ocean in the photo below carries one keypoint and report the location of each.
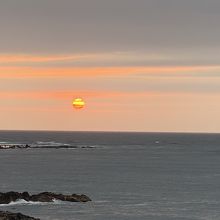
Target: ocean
(128, 176)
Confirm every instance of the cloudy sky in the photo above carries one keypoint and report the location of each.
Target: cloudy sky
(143, 65)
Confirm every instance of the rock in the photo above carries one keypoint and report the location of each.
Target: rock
(25, 196)
(15, 216)
(42, 197)
(8, 197)
(78, 198)
(26, 146)
(14, 146)
(49, 197)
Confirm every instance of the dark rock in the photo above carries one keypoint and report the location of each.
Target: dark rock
(42, 197)
(49, 197)
(25, 196)
(8, 197)
(15, 216)
(14, 146)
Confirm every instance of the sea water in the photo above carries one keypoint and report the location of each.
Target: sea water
(129, 176)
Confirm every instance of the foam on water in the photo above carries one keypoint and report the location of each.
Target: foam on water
(24, 202)
(49, 143)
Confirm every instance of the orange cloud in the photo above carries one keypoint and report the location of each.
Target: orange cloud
(46, 94)
(10, 59)
(98, 97)
(38, 72)
(23, 59)
(69, 95)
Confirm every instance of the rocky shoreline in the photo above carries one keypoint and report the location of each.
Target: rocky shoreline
(8, 197)
(26, 146)
(15, 216)
(14, 146)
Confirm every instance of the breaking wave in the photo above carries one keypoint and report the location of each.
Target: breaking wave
(24, 202)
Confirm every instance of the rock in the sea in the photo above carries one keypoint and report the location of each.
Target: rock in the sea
(49, 197)
(8, 197)
(14, 146)
(15, 216)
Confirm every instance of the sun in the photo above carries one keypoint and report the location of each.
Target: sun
(78, 103)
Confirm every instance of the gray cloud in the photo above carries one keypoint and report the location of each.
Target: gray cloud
(67, 26)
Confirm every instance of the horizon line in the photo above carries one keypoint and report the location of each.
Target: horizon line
(109, 131)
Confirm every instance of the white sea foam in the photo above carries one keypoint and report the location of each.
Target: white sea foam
(101, 201)
(24, 202)
(10, 143)
(49, 143)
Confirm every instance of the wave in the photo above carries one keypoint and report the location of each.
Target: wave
(4, 142)
(101, 201)
(24, 202)
(49, 144)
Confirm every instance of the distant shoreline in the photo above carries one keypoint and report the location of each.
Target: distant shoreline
(26, 146)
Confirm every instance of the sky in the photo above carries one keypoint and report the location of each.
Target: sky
(143, 65)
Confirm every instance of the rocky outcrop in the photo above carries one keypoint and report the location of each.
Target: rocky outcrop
(26, 146)
(14, 146)
(49, 197)
(6, 198)
(15, 216)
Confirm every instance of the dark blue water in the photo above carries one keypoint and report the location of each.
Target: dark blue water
(129, 176)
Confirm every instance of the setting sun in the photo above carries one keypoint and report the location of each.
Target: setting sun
(78, 103)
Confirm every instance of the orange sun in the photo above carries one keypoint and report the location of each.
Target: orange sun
(78, 103)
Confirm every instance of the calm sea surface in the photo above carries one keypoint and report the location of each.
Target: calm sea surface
(129, 176)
